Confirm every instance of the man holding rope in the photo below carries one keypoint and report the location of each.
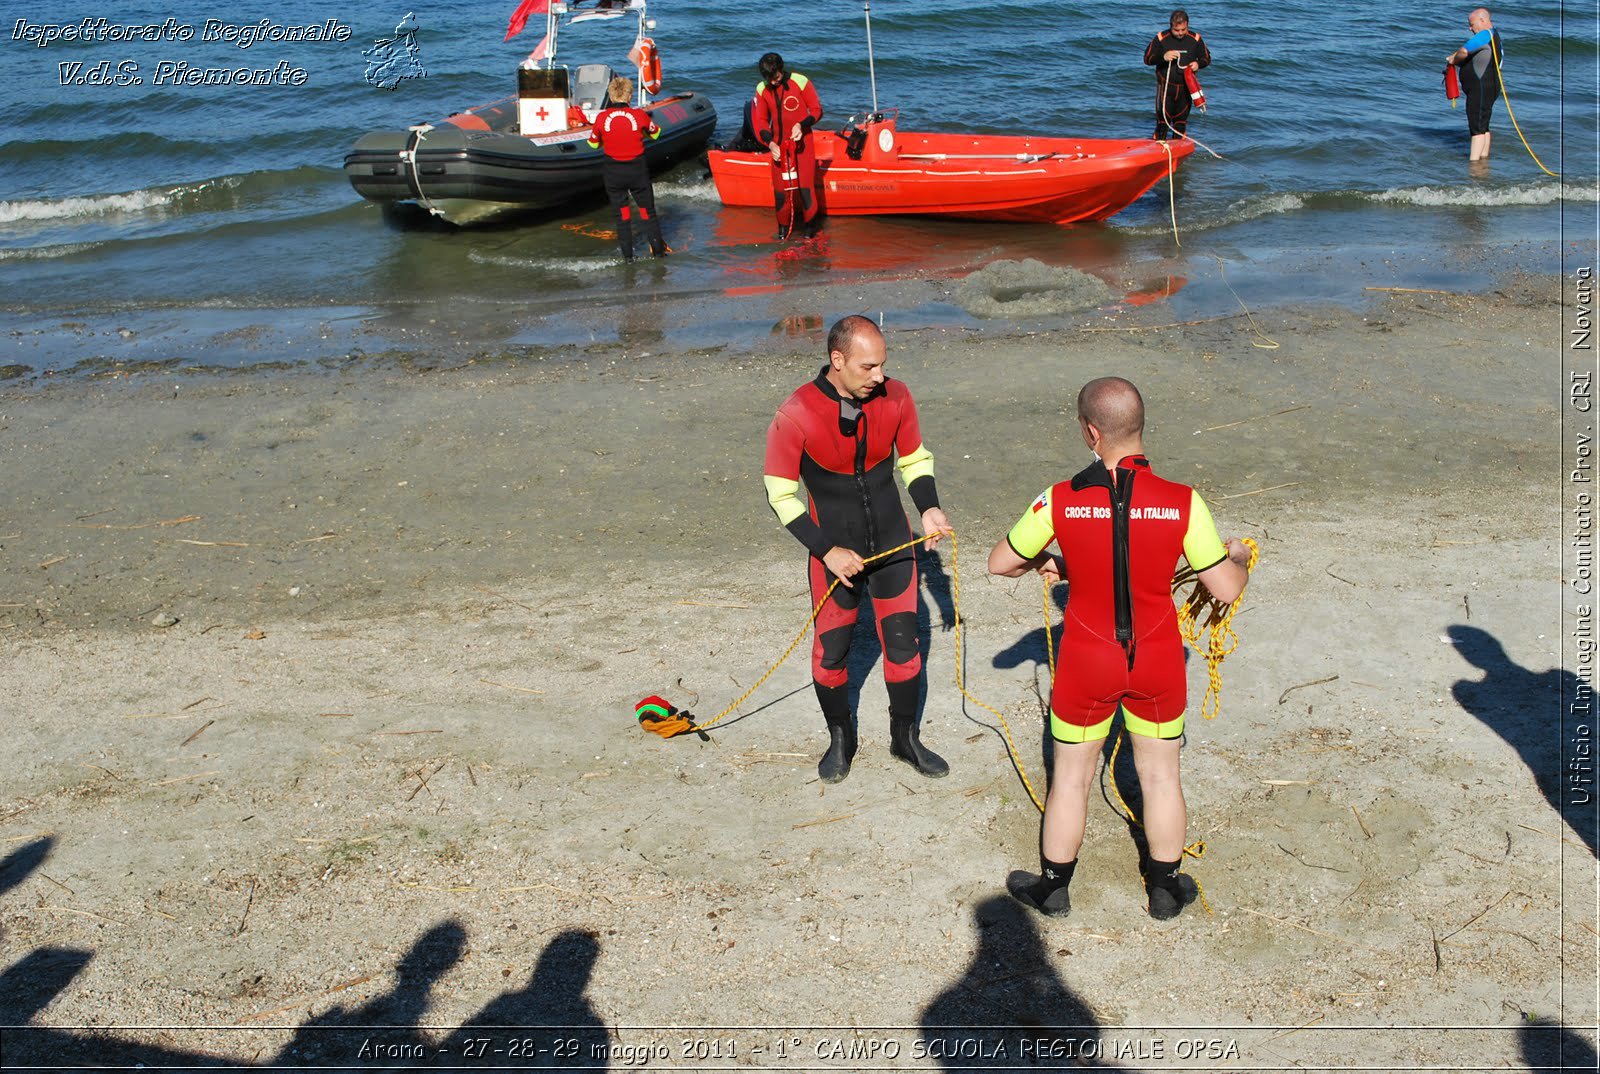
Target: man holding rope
(782, 113)
(1120, 530)
(845, 433)
(1171, 52)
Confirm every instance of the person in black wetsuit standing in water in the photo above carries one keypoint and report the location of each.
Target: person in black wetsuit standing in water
(1171, 52)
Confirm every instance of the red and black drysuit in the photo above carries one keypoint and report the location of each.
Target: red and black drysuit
(846, 453)
(620, 130)
(773, 114)
(1172, 92)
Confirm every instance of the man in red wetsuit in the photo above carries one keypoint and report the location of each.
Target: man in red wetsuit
(782, 114)
(620, 130)
(1120, 530)
(1171, 52)
(840, 434)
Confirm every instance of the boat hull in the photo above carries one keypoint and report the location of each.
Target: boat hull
(977, 177)
(475, 166)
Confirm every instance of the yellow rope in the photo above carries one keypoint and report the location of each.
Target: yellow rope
(1265, 342)
(1005, 728)
(801, 636)
(1217, 627)
(1198, 599)
(1172, 197)
(1494, 50)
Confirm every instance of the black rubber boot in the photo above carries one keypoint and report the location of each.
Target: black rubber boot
(625, 238)
(1048, 893)
(904, 744)
(835, 763)
(1169, 890)
(658, 246)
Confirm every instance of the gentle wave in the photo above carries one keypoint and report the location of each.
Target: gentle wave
(44, 253)
(210, 195)
(1426, 197)
(137, 201)
(546, 264)
(702, 191)
(1432, 197)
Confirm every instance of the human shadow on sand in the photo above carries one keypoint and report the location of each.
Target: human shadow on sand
(1011, 1010)
(1526, 708)
(1548, 1047)
(342, 1032)
(548, 1022)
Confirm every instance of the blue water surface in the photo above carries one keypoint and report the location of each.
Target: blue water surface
(1321, 141)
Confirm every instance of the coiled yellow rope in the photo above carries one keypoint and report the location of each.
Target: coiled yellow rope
(1217, 628)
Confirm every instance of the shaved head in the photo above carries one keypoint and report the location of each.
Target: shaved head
(1113, 406)
(846, 331)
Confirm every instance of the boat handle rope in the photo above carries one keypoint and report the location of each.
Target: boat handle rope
(421, 131)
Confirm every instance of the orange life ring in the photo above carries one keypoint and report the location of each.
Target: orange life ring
(644, 56)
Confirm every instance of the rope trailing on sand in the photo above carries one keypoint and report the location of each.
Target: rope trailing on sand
(668, 725)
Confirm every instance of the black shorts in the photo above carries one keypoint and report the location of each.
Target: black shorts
(1480, 103)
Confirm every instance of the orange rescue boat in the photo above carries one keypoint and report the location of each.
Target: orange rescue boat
(870, 167)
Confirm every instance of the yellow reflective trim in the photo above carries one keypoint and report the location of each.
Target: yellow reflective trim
(1034, 531)
(1201, 545)
(917, 464)
(1062, 731)
(784, 496)
(1138, 726)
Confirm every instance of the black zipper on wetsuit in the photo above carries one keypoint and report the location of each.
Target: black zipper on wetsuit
(861, 480)
(1121, 496)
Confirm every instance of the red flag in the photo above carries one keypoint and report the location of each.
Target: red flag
(519, 17)
(541, 50)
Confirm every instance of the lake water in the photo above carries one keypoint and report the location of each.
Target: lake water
(163, 218)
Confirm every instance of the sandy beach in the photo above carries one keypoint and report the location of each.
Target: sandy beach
(321, 684)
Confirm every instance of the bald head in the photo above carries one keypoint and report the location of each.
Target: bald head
(847, 331)
(1479, 19)
(1114, 407)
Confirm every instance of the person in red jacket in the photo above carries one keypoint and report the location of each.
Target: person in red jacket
(1172, 52)
(783, 112)
(620, 130)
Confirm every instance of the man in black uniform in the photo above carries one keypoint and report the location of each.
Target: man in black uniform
(1171, 52)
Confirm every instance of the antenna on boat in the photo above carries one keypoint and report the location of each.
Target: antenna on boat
(872, 70)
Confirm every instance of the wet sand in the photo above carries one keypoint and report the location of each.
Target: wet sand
(382, 768)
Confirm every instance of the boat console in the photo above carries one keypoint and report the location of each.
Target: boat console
(870, 136)
(590, 88)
